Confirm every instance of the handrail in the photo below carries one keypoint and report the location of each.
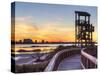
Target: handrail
(53, 61)
(88, 59)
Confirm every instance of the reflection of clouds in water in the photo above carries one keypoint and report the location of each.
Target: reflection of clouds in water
(42, 49)
(19, 57)
(45, 48)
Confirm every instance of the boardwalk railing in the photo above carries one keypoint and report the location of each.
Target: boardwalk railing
(87, 60)
(59, 56)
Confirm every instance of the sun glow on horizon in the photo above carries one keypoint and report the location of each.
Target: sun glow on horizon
(50, 31)
(54, 23)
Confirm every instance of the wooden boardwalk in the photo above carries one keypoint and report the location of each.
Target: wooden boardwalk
(70, 63)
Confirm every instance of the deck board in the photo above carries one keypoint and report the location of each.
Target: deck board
(70, 63)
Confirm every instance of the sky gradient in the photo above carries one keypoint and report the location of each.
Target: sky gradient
(51, 22)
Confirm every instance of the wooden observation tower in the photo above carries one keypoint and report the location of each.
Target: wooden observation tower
(83, 29)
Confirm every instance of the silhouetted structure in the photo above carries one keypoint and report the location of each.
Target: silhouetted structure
(83, 28)
(26, 41)
(35, 41)
(42, 41)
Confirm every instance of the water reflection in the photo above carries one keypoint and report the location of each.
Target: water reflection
(33, 48)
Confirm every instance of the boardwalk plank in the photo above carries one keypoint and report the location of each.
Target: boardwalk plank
(70, 63)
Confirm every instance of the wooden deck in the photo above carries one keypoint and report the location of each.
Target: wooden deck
(70, 63)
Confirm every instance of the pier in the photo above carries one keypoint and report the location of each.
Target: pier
(82, 57)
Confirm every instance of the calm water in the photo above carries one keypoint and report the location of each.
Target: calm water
(44, 48)
(30, 57)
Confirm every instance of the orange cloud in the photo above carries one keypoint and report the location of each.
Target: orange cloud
(50, 31)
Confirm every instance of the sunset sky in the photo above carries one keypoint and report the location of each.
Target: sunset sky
(49, 22)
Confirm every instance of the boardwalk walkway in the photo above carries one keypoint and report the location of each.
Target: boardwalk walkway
(70, 63)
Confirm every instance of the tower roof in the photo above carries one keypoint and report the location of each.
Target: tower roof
(81, 13)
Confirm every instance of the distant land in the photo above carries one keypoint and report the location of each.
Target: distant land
(36, 50)
(29, 41)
